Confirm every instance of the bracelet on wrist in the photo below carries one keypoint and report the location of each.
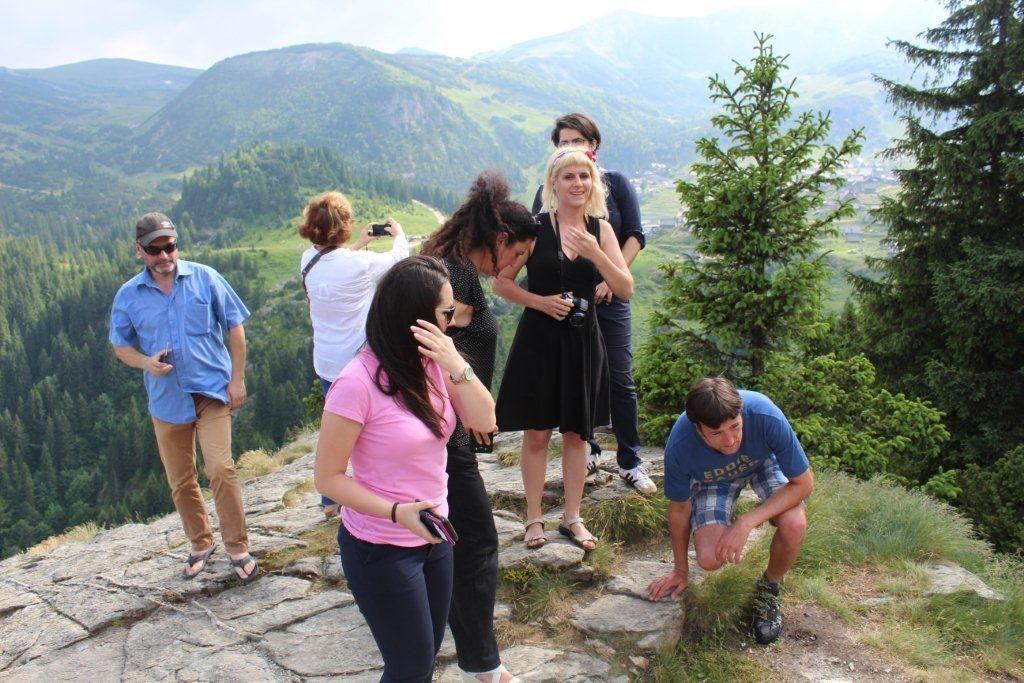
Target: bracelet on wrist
(394, 507)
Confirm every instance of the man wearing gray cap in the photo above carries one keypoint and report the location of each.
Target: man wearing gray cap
(169, 321)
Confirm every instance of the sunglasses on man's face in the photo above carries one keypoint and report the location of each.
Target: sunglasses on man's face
(168, 248)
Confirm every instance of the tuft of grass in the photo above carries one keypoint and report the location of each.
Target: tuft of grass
(510, 502)
(293, 495)
(257, 463)
(705, 662)
(320, 541)
(860, 522)
(907, 579)
(818, 589)
(292, 452)
(82, 532)
(628, 519)
(920, 647)
(510, 457)
(534, 592)
(603, 559)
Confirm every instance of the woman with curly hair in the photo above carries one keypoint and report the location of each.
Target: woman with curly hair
(486, 234)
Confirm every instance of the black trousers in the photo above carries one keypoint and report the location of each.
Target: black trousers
(471, 617)
(615, 320)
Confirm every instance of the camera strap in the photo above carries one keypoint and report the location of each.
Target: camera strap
(561, 253)
(312, 262)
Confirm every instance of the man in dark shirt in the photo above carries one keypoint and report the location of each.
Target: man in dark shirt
(613, 314)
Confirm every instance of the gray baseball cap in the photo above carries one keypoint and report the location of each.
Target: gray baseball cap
(152, 226)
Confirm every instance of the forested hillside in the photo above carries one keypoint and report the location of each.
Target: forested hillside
(76, 441)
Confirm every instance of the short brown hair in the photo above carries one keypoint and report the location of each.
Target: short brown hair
(712, 401)
(327, 219)
(576, 121)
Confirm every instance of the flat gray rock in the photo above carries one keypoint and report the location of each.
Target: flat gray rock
(544, 665)
(951, 578)
(97, 659)
(650, 624)
(557, 553)
(333, 643)
(508, 530)
(633, 577)
(34, 631)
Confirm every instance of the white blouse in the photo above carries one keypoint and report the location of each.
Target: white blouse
(341, 286)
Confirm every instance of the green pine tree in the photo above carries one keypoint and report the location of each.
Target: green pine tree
(945, 320)
(756, 208)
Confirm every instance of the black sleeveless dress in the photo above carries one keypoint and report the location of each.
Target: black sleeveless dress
(556, 375)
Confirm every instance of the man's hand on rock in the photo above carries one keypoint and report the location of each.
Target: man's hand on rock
(674, 584)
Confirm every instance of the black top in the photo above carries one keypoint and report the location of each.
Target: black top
(556, 374)
(477, 340)
(623, 207)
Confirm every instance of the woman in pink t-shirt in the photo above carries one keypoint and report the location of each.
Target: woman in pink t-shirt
(390, 413)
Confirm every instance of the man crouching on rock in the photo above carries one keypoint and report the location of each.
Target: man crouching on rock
(723, 441)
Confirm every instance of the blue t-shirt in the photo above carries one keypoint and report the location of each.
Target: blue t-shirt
(191, 322)
(766, 434)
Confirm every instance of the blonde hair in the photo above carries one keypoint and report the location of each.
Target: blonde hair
(327, 219)
(573, 156)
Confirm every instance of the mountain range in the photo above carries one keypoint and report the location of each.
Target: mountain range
(436, 119)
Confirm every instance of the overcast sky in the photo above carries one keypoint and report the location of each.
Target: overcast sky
(198, 33)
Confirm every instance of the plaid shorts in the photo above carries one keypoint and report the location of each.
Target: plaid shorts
(713, 502)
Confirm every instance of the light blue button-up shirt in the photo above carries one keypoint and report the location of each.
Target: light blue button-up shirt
(190, 321)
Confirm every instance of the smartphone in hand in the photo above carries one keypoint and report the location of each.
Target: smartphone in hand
(478, 447)
(439, 526)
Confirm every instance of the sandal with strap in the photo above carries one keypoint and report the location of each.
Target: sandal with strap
(536, 541)
(240, 564)
(197, 558)
(565, 528)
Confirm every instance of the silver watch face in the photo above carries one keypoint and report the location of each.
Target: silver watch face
(468, 373)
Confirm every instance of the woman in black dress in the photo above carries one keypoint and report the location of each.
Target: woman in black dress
(487, 233)
(557, 372)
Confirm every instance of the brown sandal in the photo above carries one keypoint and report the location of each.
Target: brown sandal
(565, 528)
(536, 541)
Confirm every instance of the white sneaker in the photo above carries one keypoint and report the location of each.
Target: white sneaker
(639, 479)
(591, 464)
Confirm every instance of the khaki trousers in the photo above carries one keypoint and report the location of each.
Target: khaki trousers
(176, 443)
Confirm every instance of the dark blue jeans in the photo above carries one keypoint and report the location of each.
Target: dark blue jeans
(404, 595)
(615, 321)
(324, 500)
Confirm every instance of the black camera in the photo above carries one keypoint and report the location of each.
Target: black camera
(379, 229)
(578, 315)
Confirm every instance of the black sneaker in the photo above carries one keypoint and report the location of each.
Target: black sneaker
(767, 612)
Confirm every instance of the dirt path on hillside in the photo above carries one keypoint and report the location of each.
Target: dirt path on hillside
(816, 646)
(441, 218)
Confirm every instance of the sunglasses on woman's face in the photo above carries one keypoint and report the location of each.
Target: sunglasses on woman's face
(168, 248)
(449, 314)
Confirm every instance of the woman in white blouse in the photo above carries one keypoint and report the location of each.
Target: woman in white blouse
(340, 283)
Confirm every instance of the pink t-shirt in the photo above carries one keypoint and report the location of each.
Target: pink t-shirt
(396, 456)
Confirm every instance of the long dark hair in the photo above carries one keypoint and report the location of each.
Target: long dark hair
(486, 213)
(410, 290)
